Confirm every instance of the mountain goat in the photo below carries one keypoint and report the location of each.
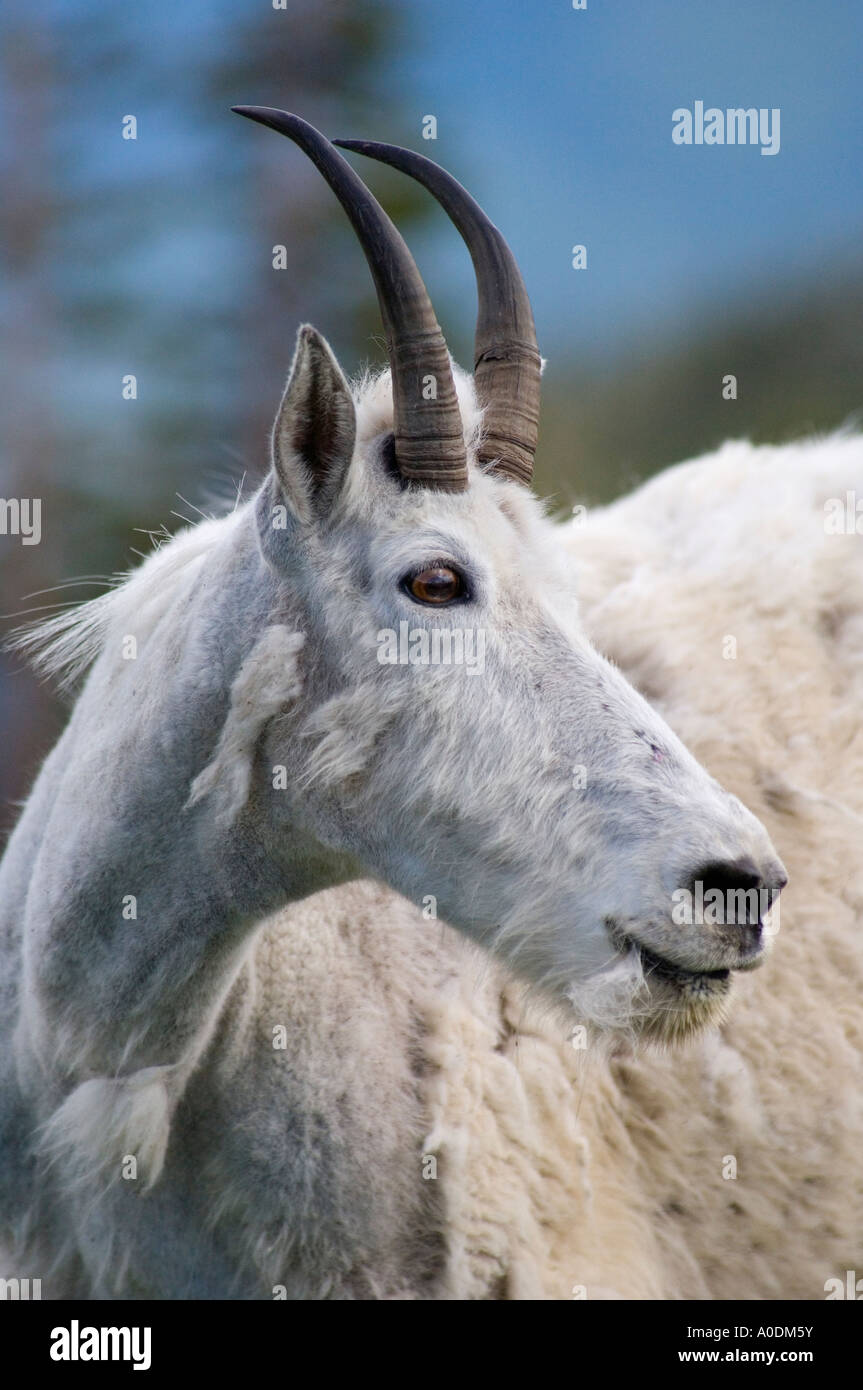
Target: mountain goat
(244, 1069)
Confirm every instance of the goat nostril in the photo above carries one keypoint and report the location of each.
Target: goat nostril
(732, 891)
(727, 876)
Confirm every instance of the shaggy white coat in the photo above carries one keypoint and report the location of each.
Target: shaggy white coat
(506, 1161)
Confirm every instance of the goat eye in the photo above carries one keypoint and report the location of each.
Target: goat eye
(437, 584)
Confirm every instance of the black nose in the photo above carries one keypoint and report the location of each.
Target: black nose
(737, 892)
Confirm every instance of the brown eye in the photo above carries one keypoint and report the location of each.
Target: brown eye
(437, 584)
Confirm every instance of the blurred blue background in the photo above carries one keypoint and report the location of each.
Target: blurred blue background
(154, 256)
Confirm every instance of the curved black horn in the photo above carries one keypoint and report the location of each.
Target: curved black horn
(506, 359)
(429, 438)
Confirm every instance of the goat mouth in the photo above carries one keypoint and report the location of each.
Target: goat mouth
(661, 970)
(657, 967)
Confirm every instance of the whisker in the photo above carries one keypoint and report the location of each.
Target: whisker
(208, 516)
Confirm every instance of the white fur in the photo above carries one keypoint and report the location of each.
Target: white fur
(102, 1122)
(268, 678)
(557, 1168)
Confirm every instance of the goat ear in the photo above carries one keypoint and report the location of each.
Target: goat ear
(315, 429)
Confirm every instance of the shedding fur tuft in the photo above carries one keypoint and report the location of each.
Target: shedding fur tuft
(105, 1122)
(268, 679)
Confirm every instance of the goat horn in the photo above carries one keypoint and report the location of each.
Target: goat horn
(506, 356)
(429, 437)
